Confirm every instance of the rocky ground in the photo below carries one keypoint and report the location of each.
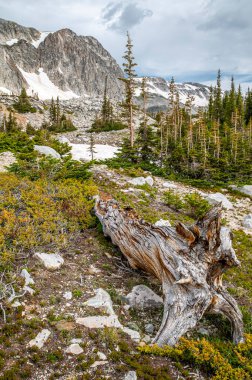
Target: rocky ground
(82, 316)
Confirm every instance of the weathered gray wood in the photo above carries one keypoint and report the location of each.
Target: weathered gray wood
(188, 261)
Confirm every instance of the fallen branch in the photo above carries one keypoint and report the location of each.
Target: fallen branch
(188, 261)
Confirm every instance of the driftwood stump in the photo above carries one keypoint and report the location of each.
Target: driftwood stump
(189, 262)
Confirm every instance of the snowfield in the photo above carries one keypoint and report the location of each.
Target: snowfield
(81, 151)
(42, 37)
(41, 84)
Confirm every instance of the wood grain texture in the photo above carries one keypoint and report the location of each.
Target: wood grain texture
(188, 261)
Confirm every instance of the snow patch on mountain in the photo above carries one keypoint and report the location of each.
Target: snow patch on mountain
(4, 90)
(102, 152)
(11, 42)
(41, 39)
(41, 85)
(159, 88)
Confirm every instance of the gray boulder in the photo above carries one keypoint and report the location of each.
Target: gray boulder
(247, 221)
(220, 198)
(140, 181)
(142, 297)
(47, 151)
(6, 159)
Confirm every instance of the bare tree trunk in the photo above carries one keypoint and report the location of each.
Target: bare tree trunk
(188, 261)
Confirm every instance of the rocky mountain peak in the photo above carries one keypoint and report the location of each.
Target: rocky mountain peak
(52, 64)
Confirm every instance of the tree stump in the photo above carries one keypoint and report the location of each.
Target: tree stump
(188, 261)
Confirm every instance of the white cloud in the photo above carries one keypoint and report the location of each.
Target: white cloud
(190, 40)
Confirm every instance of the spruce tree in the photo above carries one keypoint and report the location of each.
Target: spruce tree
(130, 74)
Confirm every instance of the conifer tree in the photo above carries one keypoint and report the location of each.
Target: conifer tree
(130, 74)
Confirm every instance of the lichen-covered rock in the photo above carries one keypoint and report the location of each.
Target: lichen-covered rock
(74, 349)
(51, 261)
(47, 151)
(142, 297)
(140, 181)
(40, 339)
(131, 375)
(162, 223)
(247, 221)
(6, 159)
(101, 300)
(220, 198)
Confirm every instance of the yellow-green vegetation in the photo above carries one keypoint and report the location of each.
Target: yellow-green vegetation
(192, 204)
(240, 279)
(41, 213)
(224, 361)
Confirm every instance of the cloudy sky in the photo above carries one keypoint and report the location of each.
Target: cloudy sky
(187, 39)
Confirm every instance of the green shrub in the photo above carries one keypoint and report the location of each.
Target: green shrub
(173, 200)
(195, 205)
(106, 126)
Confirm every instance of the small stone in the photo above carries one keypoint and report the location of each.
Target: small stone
(140, 181)
(131, 375)
(220, 198)
(162, 223)
(101, 355)
(40, 339)
(51, 261)
(169, 185)
(28, 278)
(101, 300)
(203, 331)
(93, 270)
(247, 221)
(142, 344)
(98, 322)
(149, 328)
(98, 363)
(74, 349)
(142, 297)
(76, 340)
(68, 295)
(147, 339)
(16, 304)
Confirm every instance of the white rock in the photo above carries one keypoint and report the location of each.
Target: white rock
(16, 304)
(28, 278)
(247, 221)
(220, 198)
(101, 355)
(99, 322)
(47, 151)
(50, 260)
(29, 290)
(132, 333)
(63, 139)
(162, 223)
(131, 375)
(40, 339)
(246, 189)
(74, 349)
(68, 295)
(169, 185)
(98, 363)
(101, 300)
(142, 297)
(76, 340)
(6, 159)
(140, 181)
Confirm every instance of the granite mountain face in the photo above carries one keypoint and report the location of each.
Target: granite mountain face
(63, 64)
(50, 64)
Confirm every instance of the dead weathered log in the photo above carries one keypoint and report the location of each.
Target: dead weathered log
(188, 261)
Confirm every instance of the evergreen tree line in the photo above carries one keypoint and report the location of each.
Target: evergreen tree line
(214, 142)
